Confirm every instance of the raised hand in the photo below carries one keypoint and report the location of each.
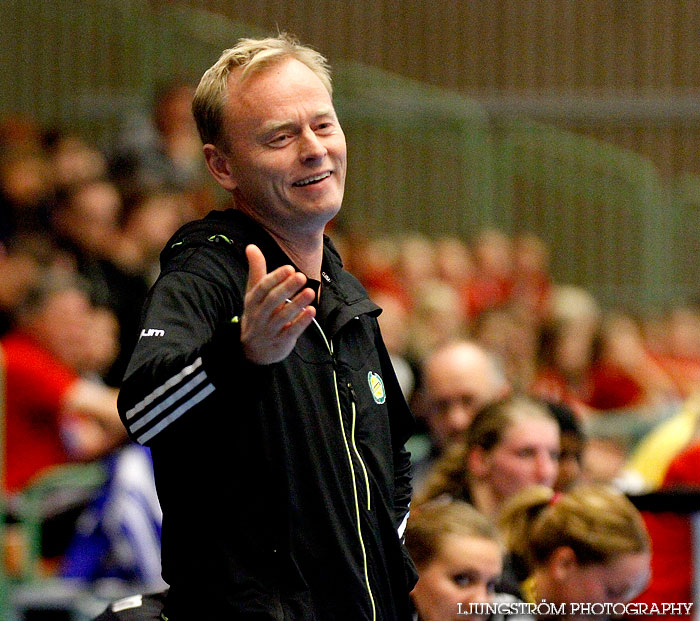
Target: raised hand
(272, 319)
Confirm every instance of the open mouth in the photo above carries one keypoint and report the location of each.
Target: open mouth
(311, 180)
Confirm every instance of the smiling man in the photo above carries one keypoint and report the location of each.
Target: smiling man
(261, 382)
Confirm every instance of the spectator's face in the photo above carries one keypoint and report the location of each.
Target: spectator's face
(63, 326)
(620, 580)
(92, 221)
(287, 150)
(569, 461)
(464, 571)
(527, 455)
(459, 381)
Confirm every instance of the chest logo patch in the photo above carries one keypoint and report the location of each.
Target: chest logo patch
(376, 386)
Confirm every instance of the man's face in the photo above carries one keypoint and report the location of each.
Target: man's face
(286, 149)
(459, 382)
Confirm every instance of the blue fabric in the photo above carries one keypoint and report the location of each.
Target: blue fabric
(118, 536)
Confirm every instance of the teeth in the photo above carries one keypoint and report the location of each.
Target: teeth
(312, 179)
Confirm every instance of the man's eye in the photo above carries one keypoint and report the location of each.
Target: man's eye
(280, 140)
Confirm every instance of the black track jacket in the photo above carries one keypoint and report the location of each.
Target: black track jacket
(285, 488)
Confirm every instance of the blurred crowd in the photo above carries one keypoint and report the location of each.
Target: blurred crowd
(551, 339)
(478, 328)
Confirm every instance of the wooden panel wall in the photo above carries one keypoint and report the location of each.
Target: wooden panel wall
(517, 47)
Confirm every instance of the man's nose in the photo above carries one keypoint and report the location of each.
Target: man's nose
(311, 146)
(458, 419)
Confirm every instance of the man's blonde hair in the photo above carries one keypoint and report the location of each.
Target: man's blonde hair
(253, 55)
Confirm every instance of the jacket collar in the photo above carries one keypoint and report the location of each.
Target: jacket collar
(342, 296)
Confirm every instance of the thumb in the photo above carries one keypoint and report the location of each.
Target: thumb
(257, 266)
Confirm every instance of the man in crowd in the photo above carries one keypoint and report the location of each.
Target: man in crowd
(459, 379)
(278, 445)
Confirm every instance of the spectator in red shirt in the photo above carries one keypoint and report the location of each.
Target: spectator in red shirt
(53, 415)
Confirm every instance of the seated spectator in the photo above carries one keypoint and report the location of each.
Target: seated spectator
(602, 367)
(512, 338)
(459, 558)
(509, 445)
(393, 322)
(373, 262)
(55, 415)
(87, 224)
(458, 379)
(532, 286)
(73, 160)
(588, 545)
(573, 443)
(454, 262)
(20, 264)
(161, 149)
(26, 194)
(147, 225)
(436, 318)
(415, 264)
(676, 347)
(492, 283)
(625, 374)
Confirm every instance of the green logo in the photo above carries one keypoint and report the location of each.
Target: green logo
(376, 385)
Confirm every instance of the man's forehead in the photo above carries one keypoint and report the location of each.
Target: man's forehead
(475, 372)
(268, 98)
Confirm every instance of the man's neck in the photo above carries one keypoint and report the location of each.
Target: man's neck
(306, 252)
(303, 247)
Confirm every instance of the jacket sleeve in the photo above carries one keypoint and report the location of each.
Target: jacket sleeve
(189, 347)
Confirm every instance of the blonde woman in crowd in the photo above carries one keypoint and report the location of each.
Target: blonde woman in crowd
(586, 546)
(459, 559)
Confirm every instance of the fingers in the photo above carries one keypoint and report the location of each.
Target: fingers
(270, 337)
(292, 330)
(266, 292)
(292, 310)
(276, 309)
(257, 266)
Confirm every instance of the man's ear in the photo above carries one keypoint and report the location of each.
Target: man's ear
(219, 166)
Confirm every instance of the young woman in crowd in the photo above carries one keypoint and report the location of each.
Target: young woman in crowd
(509, 445)
(585, 546)
(459, 559)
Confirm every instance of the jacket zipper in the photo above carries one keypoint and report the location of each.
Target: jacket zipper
(354, 446)
(329, 345)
